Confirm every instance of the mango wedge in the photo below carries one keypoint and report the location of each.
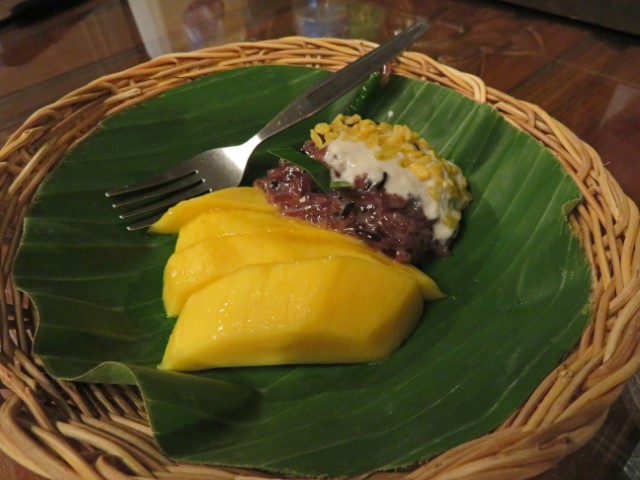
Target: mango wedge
(308, 311)
(237, 198)
(193, 267)
(251, 287)
(221, 223)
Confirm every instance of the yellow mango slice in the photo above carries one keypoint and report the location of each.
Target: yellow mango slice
(323, 310)
(191, 268)
(220, 223)
(238, 198)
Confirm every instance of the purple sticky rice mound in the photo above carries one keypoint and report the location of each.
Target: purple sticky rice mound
(394, 225)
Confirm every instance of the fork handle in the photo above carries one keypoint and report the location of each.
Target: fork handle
(340, 82)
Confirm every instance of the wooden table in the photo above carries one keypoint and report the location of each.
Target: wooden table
(585, 76)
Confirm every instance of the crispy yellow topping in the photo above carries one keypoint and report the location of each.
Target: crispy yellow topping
(400, 143)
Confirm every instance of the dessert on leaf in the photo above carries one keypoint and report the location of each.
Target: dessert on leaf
(388, 188)
(314, 264)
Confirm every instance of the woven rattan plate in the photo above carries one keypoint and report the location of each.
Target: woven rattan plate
(63, 430)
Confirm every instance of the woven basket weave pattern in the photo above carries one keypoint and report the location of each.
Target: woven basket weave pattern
(65, 431)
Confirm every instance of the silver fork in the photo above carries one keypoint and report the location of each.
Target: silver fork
(224, 167)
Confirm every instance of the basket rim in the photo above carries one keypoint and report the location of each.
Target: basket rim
(562, 415)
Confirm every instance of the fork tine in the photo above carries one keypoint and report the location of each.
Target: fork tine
(172, 174)
(176, 186)
(147, 222)
(193, 191)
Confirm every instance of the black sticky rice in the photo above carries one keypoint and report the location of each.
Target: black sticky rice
(394, 225)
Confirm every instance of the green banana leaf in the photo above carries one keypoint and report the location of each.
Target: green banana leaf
(518, 287)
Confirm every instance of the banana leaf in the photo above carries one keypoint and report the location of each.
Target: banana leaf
(518, 287)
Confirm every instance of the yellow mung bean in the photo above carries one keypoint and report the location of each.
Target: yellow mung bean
(400, 143)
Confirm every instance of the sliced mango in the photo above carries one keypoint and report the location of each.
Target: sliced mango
(221, 223)
(323, 310)
(218, 223)
(252, 287)
(191, 268)
(236, 198)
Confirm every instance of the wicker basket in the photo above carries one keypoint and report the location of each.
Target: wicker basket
(65, 431)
